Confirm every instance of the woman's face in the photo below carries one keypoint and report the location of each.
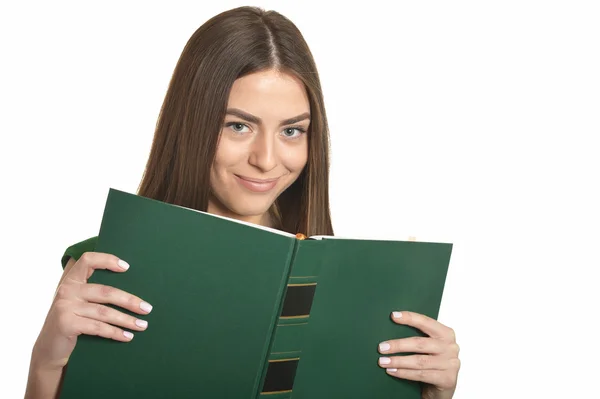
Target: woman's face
(263, 145)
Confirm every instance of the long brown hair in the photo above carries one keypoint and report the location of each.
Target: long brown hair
(228, 46)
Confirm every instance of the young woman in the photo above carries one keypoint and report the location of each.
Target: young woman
(242, 133)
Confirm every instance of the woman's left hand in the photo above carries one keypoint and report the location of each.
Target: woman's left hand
(436, 360)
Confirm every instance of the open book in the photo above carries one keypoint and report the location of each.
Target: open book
(243, 311)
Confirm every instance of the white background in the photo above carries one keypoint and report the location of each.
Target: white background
(468, 122)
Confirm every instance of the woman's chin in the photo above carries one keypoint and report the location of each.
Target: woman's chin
(250, 213)
(242, 207)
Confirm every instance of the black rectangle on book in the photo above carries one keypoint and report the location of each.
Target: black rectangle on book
(298, 300)
(280, 375)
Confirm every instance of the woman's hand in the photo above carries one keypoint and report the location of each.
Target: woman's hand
(79, 308)
(436, 360)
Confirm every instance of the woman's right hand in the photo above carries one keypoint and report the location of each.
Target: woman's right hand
(80, 307)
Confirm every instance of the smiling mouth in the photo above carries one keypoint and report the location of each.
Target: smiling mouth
(257, 185)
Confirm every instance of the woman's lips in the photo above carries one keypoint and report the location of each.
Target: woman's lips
(257, 185)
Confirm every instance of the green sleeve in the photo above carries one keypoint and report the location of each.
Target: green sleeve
(76, 250)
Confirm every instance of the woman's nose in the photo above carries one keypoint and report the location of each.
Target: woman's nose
(263, 152)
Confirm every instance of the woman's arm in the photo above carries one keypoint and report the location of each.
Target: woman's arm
(43, 383)
(44, 380)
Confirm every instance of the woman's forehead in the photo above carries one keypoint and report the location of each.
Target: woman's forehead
(269, 95)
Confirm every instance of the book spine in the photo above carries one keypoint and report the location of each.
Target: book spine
(286, 349)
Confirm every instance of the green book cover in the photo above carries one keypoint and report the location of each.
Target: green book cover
(359, 285)
(241, 311)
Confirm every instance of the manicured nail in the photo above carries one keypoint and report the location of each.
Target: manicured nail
(145, 306)
(384, 360)
(141, 323)
(392, 370)
(127, 334)
(122, 264)
(397, 315)
(384, 346)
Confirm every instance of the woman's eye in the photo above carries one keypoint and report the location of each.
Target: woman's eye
(292, 132)
(237, 127)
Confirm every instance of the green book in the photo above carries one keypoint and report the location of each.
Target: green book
(242, 311)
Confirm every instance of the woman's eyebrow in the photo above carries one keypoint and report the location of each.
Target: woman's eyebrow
(254, 119)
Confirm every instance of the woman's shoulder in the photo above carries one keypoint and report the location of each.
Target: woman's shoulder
(76, 250)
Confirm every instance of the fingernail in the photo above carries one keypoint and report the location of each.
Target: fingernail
(384, 346)
(128, 334)
(384, 360)
(392, 370)
(122, 264)
(145, 306)
(141, 323)
(397, 315)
